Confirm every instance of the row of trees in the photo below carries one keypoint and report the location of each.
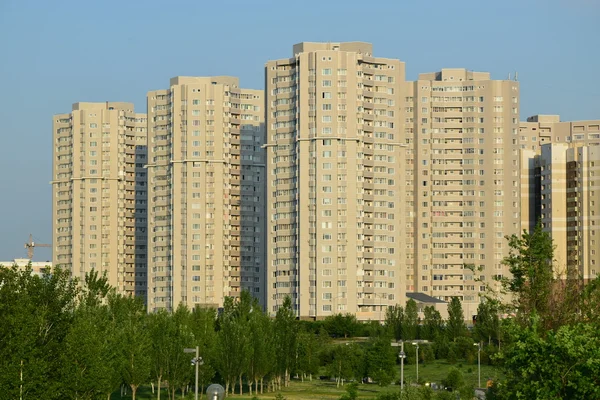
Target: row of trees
(62, 339)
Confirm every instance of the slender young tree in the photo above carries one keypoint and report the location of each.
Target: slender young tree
(160, 327)
(530, 262)
(261, 355)
(135, 339)
(433, 324)
(394, 321)
(203, 322)
(487, 326)
(455, 327)
(286, 334)
(411, 320)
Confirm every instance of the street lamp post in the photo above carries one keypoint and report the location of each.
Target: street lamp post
(402, 356)
(196, 361)
(478, 362)
(417, 360)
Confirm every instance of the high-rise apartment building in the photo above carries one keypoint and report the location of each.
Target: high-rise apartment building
(335, 159)
(564, 171)
(207, 192)
(99, 193)
(463, 186)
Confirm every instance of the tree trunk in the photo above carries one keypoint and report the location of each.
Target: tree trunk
(286, 378)
(261, 385)
(226, 388)
(133, 391)
(159, 382)
(241, 387)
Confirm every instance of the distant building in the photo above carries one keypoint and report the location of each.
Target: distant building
(423, 300)
(562, 162)
(99, 193)
(38, 267)
(206, 225)
(335, 159)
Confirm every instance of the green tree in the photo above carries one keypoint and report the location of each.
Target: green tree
(309, 350)
(89, 356)
(487, 326)
(558, 365)
(455, 326)
(178, 371)
(233, 340)
(160, 327)
(381, 360)
(531, 281)
(394, 321)
(203, 325)
(134, 338)
(411, 320)
(346, 362)
(286, 335)
(339, 325)
(262, 353)
(455, 379)
(36, 313)
(433, 324)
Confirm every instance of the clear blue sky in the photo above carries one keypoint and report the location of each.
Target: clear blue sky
(55, 53)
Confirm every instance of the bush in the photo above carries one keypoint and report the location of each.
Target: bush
(455, 379)
(451, 355)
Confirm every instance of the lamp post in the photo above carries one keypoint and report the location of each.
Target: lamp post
(402, 356)
(196, 361)
(478, 362)
(417, 360)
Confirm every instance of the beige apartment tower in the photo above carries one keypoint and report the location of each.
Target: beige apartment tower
(99, 193)
(335, 161)
(463, 181)
(566, 180)
(206, 173)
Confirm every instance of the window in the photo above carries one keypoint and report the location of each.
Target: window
(326, 71)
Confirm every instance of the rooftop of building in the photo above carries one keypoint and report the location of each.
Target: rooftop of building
(423, 298)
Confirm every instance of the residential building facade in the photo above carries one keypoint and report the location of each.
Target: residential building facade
(335, 159)
(99, 193)
(560, 158)
(463, 181)
(207, 192)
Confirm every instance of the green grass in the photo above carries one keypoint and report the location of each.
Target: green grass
(434, 371)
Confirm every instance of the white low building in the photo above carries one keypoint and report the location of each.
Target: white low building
(38, 267)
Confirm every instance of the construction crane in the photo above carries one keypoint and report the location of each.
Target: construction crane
(31, 245)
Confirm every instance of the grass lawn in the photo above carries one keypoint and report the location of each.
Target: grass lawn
(298, 390)
(436, 371)
(433, 371)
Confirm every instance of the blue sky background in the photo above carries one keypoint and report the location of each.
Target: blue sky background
(55, 53)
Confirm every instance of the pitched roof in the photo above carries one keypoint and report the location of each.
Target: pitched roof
(423, 298)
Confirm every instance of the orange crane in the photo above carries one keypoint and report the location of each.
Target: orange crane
(31, 245)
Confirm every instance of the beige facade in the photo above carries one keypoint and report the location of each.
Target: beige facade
(463, 172)
(37, 267)
(99, 193)
(207, 193)
(335, 159)
(562, 162)
(569, 198)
